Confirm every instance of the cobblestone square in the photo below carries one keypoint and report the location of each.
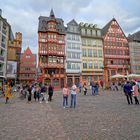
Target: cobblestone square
(103, 117)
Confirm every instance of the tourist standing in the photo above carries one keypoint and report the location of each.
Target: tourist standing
(93, 88)
(50, 92)
(135, 93)
(102, 84)
(96, 88)
(80, 87)
(8, 93)
(65, 96)
(73, 95)
(128, 92)
(85, 89)
(29, 93)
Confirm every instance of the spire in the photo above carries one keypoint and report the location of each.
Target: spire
(52, 13)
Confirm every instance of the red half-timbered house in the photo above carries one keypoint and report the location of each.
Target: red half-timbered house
(51, 50)
(116, 51)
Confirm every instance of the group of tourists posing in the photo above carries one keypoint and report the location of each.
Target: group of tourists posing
(74, 90)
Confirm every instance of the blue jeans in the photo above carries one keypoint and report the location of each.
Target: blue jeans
(65, 101)
(93, 90)
(96, 91)
(73, 99)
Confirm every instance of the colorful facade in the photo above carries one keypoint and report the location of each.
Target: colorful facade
(134, 48)
(27, 67)
(73, 53)
(92, 53)
(116, 51)
(51, 50)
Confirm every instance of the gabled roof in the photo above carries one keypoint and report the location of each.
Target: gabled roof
(27, 51)
(134, 37)
(72, 22)
(106, 27)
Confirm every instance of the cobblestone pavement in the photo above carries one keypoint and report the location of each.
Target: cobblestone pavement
(103, 117)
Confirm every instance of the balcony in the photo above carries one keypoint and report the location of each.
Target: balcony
(51, 65)
(54, 76)
(117, 56)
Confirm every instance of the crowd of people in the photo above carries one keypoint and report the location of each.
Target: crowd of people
(44, 93)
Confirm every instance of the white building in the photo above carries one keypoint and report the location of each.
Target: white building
(4, 37)
(134, 49)
(73, 53)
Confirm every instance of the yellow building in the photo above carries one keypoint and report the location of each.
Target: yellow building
(92, 53)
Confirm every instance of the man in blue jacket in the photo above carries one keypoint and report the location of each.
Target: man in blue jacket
(128, 92)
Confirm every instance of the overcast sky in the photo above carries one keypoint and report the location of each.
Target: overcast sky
(23, 15)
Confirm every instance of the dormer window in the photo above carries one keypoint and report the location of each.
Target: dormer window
(27, 56)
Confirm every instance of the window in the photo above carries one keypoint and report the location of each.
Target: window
(90, 66)
(95, 65)
(88, 42)
(54, 59)
(3, 39)
(68, 65)
(83, 31)
(50, 59)
(88, 32)
(1, 67)
(27, 56)
(98, 33)
(84, 64)
(89, 52)
(69, 55)
(100, 53)
(83, 41)
(100, 64)
(84, 52)
(93, 42)
(95, 53)
(93, 32)
(2, 52)
(69, 45)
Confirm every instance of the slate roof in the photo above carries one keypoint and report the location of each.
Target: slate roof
(134, 37)
(42, 27)
(72, 22)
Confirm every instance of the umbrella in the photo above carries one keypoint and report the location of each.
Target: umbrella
(118, 76)
(132, 75)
